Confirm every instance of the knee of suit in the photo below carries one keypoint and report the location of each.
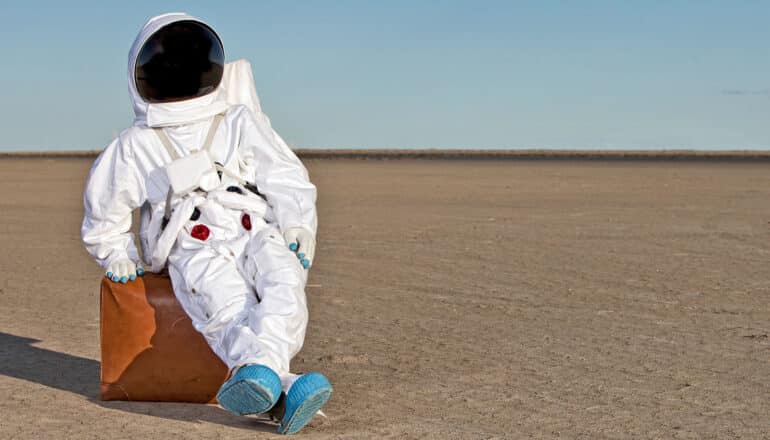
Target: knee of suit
(282, 300)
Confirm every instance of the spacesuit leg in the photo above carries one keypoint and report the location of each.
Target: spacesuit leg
(280, 318)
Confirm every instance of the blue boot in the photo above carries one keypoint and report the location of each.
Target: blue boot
(253, 389)
(306, 396)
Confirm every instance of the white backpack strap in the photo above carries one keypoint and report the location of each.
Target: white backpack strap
(206, 144)
(212, 131)
(174, 156)
(166, 143)
(167, 209)
(230, 174)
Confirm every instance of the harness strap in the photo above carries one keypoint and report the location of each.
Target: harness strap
(229, 174)
(167, 143)
(206, 144)
(167, 209)
(175, 155)
(212, 131)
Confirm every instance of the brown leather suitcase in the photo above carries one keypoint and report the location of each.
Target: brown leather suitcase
(150, 350)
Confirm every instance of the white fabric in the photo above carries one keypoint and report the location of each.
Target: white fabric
(247, 201)
(168, 236)
(231, 265)
(216, 281)
(190, 172)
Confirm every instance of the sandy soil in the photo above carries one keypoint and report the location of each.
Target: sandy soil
(457, 300)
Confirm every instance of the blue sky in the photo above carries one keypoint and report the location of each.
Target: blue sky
(418, 74)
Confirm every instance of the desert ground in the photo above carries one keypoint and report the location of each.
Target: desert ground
(450, 299)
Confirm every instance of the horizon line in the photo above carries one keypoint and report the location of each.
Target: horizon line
(486, 154)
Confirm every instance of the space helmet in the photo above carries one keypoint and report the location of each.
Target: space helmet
(181, 60)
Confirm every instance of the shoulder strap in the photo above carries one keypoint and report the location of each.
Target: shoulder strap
(166, 143)
(206, 144)
(212, 131)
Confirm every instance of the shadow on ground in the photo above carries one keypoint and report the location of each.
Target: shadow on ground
(20, 359)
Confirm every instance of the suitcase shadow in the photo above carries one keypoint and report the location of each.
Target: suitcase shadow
(20, 359)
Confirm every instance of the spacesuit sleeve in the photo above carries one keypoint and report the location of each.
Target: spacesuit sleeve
(113, 191)
(278, 173)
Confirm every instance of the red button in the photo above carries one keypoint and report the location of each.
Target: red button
(246, 222)
(201, 232)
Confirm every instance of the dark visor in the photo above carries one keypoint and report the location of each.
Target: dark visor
(182, 60)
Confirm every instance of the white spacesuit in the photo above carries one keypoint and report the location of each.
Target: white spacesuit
(238, 240)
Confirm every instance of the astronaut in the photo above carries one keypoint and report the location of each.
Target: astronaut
(226, 206)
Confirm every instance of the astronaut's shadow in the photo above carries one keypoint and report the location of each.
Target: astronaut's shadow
(20, 359)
